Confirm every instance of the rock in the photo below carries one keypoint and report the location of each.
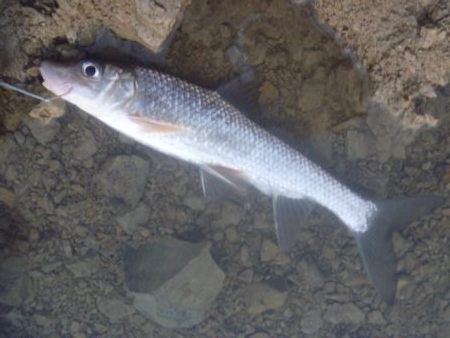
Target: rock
(344, 313)
(85, 267)
(173, 283)
(311, 95)
(149, 23)
(268, 93)
(46, 111)
(375, 317)
(131, 220)
(86, 147)
(311, 322)
(124, 177)
(310, 275)
(115, 309)
(16, 290)
(430, 37)
(232, 235)
(271, 252)
(42, 320)
(259, 335)
(43, 133)
(260, 297)
(359, 144)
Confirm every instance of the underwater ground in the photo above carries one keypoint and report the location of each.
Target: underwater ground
(363, 87)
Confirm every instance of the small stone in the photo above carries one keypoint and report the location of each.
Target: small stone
(268, 93)
(260, 297)
(67, 248)
(194, 202)
(246, 276)
(376, 317)
(7, 197)
(232, 235)
(43, 133)
(46, 111)
(271, 252)
(259, 335)
(311, 95)
(115, 309)
(359, 144)
(310, 275)
(401, 245)
(33, 235)
(446, 212)
(431, 36)
(86, 147)
(85, 267)
(311, 322)
(131, 220)
(42, 320)
(124, 177)
(344, 313)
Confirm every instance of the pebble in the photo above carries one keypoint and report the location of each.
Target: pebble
(124, 177)
(311, 322)
(86, 147)
(131, 220)
(344, 313)
(260, 297)
(43, 133)
(85, 267)
(115, 309)
(42, 320)
(267, 93)
(271, 252)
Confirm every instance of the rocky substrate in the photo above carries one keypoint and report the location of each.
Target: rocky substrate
(82, 206)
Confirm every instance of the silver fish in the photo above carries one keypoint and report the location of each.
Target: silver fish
(199, 126)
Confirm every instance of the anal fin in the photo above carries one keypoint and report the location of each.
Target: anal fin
(218, 180)
(288, 214)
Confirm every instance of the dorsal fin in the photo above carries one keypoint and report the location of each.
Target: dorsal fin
(242, 92)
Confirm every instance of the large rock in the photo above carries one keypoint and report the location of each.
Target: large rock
(173, 283)
(146, 22)
(124, 177)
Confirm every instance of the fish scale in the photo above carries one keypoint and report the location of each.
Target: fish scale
(197, 125)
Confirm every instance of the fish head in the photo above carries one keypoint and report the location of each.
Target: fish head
(93, 86)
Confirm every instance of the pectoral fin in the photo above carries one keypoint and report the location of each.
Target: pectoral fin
(288, 214)
(146, 124)
(218, 180)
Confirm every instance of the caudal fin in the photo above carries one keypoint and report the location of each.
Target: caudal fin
(375, 245)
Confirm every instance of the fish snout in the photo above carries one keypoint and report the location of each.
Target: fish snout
(56, 77)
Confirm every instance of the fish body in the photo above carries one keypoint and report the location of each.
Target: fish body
(199, 126)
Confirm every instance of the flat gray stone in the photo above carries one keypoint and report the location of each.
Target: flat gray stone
(172, 282)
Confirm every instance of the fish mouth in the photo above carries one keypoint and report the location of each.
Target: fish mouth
(55, 77)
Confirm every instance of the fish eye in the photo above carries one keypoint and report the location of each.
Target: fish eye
(90, 69)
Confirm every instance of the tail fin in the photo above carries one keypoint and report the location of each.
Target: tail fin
(375, 245)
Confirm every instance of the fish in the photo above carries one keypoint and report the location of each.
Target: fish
(206, 128)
